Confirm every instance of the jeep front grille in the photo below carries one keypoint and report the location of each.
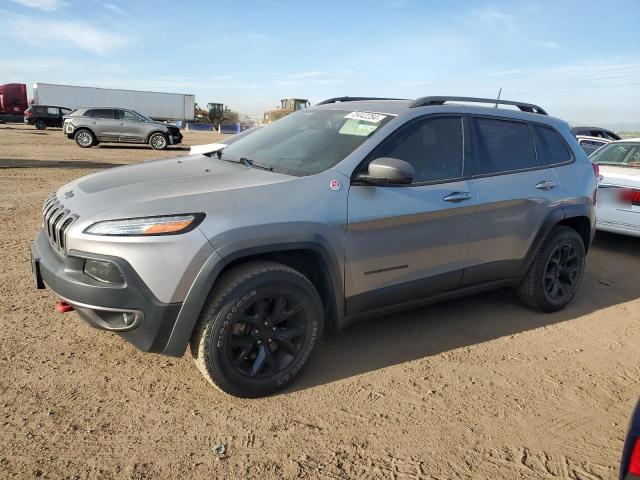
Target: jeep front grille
(57, 220)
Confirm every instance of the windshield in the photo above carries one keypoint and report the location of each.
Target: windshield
(144, 117)
(619, 154)
(308, 141)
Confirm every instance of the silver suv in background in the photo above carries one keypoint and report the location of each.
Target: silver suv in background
(342, 211)
(93, 125)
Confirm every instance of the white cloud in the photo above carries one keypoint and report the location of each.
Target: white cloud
(506, 26)
(548, 44)
(311, 78)
(54, 34)
(114, 8)
(44, 5)
(499, 22)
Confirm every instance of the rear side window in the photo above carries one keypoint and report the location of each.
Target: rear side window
(550, 145)
(53, 111)
(501, 146)
(100, 113)
(434, 146)
(590, 146)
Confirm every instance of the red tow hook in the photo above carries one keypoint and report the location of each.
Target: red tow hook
(63, 307)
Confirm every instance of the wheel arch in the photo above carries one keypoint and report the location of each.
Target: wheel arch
(312, 259)
(576, 216)
(154, 132)
(78, 129)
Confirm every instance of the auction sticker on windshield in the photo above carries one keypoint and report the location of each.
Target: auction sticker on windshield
(366, 116)
(361, 124)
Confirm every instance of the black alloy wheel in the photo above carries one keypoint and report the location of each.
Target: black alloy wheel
(561, 271)
(267, 336)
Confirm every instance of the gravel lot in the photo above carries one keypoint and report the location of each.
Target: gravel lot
(475, 388)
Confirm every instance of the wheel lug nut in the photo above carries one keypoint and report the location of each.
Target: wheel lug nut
(259, 342)
(266, 323)
(274, 329)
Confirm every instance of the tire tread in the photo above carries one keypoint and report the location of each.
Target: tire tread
(221, 290)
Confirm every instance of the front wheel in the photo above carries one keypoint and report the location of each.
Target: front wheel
(84, 138)
(258, 329)
(158, 141)
(556, 271)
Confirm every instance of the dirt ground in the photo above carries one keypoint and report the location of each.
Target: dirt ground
(478, 388)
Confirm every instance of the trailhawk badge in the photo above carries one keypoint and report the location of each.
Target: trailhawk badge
(334, 184)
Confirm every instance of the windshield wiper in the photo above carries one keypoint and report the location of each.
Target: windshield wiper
(244, 161)
(251, 163)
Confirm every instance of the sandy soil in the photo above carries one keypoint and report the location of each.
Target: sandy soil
(479, 388)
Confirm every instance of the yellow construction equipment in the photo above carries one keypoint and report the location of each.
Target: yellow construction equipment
(287, 106)
(216, 114)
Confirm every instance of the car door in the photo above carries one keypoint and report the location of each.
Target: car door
(52, 115)
(104, 124)
(409, 242)
(132, 129)
(516, 193)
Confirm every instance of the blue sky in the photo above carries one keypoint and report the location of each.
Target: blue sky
(580, 60)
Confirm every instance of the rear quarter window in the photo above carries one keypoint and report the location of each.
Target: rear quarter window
(501, 146)
(99, 113)
(551, 147)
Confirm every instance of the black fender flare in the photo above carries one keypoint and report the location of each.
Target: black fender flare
(553, 218)
(198, 293)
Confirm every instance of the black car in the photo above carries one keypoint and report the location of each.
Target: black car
(630, 464)
(595, 132)
(43, 116)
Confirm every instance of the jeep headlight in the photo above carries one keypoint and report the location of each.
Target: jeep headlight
(161, 225)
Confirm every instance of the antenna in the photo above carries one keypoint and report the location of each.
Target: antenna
(499, 93)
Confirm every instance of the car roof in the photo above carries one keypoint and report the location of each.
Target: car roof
(595, 139)
(399, 107)
(628, 140)
(48, 106)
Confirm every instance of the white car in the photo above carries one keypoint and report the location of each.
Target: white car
(591, 144)
(618, 207)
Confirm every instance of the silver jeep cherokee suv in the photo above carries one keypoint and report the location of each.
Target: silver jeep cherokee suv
(350, 209)
(90, 126)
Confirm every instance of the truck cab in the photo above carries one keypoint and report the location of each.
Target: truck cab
(13, 102)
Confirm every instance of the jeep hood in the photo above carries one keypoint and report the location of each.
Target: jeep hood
(176, 182)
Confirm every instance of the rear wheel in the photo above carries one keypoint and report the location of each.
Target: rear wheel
(258, 330)
(40, 124)
(84, 138)
(158, 141)
(556, 271)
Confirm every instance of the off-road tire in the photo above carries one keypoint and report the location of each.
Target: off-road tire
(40, 124)
(531, 290)
(158, 141)
(80, 137)
(231, 294)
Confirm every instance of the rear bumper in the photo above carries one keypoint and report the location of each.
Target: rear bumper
(616, 227)
(100, 304)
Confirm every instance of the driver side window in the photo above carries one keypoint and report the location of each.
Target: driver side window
(128, 116)
(433, 145)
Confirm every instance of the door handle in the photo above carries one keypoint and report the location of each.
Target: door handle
(545, 185)
(456, 197)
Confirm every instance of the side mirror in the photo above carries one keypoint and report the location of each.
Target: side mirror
(388, 171)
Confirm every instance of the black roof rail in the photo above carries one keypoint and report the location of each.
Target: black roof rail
(354, 99)
(525, 107)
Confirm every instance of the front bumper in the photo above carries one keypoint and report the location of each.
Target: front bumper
(100, 304)
(174, 138)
